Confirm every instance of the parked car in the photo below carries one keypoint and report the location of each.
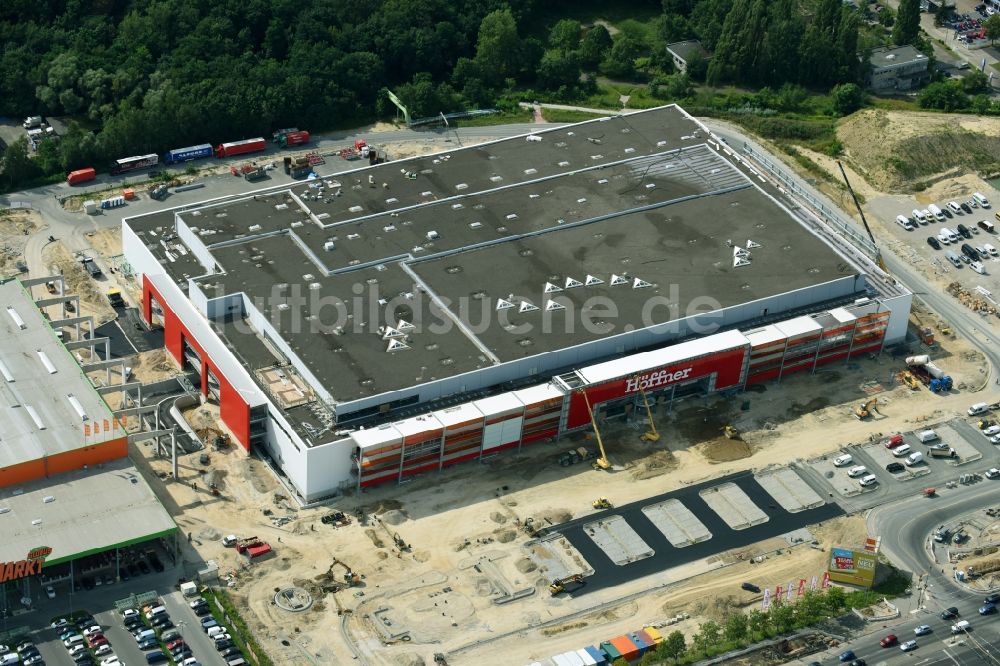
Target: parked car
(856, 471)
(894, 467)
(987, 609)
(869, 480)
(934, 242)
(846, 655)
(750, 587)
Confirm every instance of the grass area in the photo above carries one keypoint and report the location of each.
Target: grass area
(895, 104)
(567, 116)
(502, 118)
(230, 618)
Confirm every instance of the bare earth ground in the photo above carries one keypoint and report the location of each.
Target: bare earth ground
(15, 225)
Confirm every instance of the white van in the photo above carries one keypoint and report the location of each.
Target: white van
(978, 408)
(10, 658)
(987, 226)
(952, 235)
(914, 459)
(927, 436)
(156, 610)
(936, 212)
(960, 627)
(144, 634)
(904, 222)
(919, 216)
(981, 200)
(955, 208)
(992, 250)
(978, 267)
(843, 461)
(944, 238)
(215, 631)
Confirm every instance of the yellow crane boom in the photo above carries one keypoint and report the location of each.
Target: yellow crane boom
(651, 435)
(602, 462)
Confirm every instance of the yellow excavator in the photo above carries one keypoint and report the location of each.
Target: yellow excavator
(865, 410)
(730, 432)
(602, 503)
(350, 577)
(907, 378)
(651, 435)
(602, 462)
(559, 584)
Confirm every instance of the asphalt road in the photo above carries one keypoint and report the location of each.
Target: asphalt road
(608, 574)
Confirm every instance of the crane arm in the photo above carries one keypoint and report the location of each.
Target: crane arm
(603, 460)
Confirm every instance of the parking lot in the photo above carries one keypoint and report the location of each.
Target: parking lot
(927, 241)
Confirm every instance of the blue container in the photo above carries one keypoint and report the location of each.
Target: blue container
(187, 154)
(597, 655)
(639, 643)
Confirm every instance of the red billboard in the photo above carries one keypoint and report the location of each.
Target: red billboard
(727, 366)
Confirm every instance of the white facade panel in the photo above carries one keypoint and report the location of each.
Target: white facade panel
(498, 404)
(459, 414)
(373, 438)
(492, 436)
(511, 430)
(535, 394)
(799, 326)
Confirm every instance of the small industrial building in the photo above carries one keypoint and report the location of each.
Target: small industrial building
(71, 502)
(683, 52)
(387, 321)
(897, 69)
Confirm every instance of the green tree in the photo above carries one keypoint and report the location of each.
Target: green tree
(735, 629)
(620, 63)
(836, 599)
(423, 97)
(17, 167)
(782, 617)
(498, 47)
(558, 69)
(565, 35)
(706, 641)
(981, 105)
(757, 621)
(907, 25)
(992, 26)
(943, 95)
(811, 607)
(976, 82)
(847, 98)
(673, 645)
(677, 87)
(594, 47)
(887, 17)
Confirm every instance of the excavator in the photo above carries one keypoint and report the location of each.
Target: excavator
(865, 410)
(602, 462)
(602, 503)
(651, 435)
(907, 378)
(730, 432)
(350, 577)
(559, 584)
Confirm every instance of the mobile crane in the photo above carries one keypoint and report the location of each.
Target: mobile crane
(651, 435)
(559, 584)
(602, 462)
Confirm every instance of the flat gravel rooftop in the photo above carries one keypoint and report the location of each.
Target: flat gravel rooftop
(494, 253)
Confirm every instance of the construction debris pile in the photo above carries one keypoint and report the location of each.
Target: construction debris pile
(966, 298)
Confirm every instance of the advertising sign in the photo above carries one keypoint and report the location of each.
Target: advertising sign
(852, 567)
(726, 366)
(802, 587)
(31, 565)
(766, 603)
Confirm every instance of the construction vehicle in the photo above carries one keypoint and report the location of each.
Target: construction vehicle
(255, 174)
(942, 452)
(602, 463)
(337, 519)
(906, 377)
(651, 435)
(159, 193)
(985, 423)
(558, 585)
(602, 503)
(879, 261)
(730, 432)
(115, 298)
(400, 543)
(930, 374)
(864, 410)
(243, 544)
(574, 456)
(350, 577)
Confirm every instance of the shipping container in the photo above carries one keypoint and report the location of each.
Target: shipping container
(611, 651)
(187, 154)
(649, 639)
(568, 659)
(600, 659)
(240, 147)
(293, 138)
(654, 634)
(586, 657)
(640, 643)
(81, 176)
(134, 163)
(626, 648)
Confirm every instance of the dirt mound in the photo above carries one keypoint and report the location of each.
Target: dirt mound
(893, 149)
(725, 450)
(506, 536)
(655, 464)
(386, 505)
(394, 517)
(498, 517)
(525, 565)
(408, 659)
(557, 516)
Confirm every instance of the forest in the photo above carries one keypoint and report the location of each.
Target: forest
(140, 76)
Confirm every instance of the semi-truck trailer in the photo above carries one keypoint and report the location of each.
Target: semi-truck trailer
(81, 176)
(240, 147)
(187, 154)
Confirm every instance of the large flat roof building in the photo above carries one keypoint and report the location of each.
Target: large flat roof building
(407, 298)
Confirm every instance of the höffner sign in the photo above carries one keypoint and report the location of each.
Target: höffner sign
(652, 380)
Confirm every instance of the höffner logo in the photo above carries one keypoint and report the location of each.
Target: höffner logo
(654, 379)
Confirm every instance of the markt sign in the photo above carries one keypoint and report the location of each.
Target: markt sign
(31, 565)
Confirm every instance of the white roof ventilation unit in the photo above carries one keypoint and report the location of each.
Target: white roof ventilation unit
(740, 252)
(571, 283)
(16, 317)
(751, 245)
(389, 332)
(552, 305)
(617, 280)
(640, 284)
(403, 325)
(51, 369)
(77, 407)
(740, 261)
(591, 281)
(396, 345)
(527, 307)
(504, 304)
(551, 288)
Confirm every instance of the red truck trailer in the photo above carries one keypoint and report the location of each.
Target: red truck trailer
(240, 147)
(81, 176)
(262, 548)
(293, 138)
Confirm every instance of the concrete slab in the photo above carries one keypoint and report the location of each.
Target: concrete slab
(678, 524)
(618, 540)
(734, 506)
(837, 476)
(789, 490)
(557, 558)
(966, 451)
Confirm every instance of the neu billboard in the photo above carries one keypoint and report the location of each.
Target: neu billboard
(727, 366)
(852, 567)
